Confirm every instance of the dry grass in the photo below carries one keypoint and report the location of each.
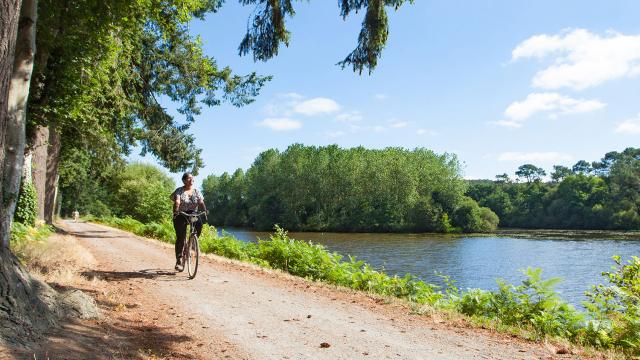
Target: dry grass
(57, 259)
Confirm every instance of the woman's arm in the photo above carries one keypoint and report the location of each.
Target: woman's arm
(176, 205)
(201, 205)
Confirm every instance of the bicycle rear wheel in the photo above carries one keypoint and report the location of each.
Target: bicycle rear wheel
(193, 255)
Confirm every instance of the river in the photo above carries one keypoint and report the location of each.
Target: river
(477, 261)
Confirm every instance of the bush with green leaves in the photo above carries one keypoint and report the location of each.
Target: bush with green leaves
(22, 235)
(615, 308)
(534, 304)
(471, 217)
(142, 191)
(27, 206)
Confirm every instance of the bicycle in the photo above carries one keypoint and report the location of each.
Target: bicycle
(191, 248)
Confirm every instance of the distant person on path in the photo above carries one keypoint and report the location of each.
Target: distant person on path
(76, 215)
(186, 199)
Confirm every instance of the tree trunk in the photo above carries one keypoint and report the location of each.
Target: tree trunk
(51, 184)
(39, 147)
(14, 142)
(9, 17)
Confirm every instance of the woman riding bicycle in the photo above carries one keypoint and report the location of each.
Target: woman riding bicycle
(185, 199)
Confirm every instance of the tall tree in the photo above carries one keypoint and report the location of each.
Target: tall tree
(530, 172)
(12, 156)
(582, 167)
(560, 173)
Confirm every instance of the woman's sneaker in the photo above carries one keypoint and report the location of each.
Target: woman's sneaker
(179, 267)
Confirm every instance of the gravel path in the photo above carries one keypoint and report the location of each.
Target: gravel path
(263, 314)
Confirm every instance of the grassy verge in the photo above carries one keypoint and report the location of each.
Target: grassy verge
(53, 258)
(532, 308)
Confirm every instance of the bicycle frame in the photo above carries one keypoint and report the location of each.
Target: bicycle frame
(191, 243)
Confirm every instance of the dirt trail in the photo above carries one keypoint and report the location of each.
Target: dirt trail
(237, 310)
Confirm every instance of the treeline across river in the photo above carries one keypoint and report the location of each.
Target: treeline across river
(602, 194)
(333, 189)
(398, 190)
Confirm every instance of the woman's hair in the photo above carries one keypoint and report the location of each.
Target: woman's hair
(185, 176)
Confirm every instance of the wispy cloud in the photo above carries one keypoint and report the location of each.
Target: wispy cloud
(629, 126)
(381, 96)
(351, 116)
(289, 104)
(317, 106)
(281, 124)
(283, 104)
(507, 123)
(552, 103)
(397, 124)
(581, 59)
(534, 156)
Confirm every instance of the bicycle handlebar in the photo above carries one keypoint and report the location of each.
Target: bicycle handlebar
(198, 214)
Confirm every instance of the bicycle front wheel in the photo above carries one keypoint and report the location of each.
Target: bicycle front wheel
(193, 256)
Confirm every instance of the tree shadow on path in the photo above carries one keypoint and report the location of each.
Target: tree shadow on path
(151, 274)
(95, 339)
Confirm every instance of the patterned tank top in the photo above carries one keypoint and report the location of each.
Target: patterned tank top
(188, 203)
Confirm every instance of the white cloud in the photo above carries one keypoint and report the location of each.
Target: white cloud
(507, 123)
(379, 128)
(534, 156)
(381, 96)
(553, 103)
(280, 124)
(351, 116)
(317, 106)
(288, 104)
(629, 126)
(581, 59)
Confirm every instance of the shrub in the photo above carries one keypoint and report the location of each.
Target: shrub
(27, 206)
(22, 235)
(534, 303)
(472, 218)
(615, 308)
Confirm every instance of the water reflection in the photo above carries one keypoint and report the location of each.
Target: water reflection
(475, 262)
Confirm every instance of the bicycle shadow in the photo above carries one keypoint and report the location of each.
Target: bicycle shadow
(151, 274)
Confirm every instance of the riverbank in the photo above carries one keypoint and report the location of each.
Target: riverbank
(567, 234)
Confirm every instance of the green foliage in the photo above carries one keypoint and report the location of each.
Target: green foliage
(334, 189)
(110, 64)
(601, 195)
(615, 308)
(534, 304)
(27, 206)
(473, 218)
(530, 172)
(267, 30)
(22, 235)
(142, 192)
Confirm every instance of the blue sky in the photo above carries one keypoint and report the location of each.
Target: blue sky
(499, 83)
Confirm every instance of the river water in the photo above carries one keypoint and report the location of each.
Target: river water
(476, 262)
